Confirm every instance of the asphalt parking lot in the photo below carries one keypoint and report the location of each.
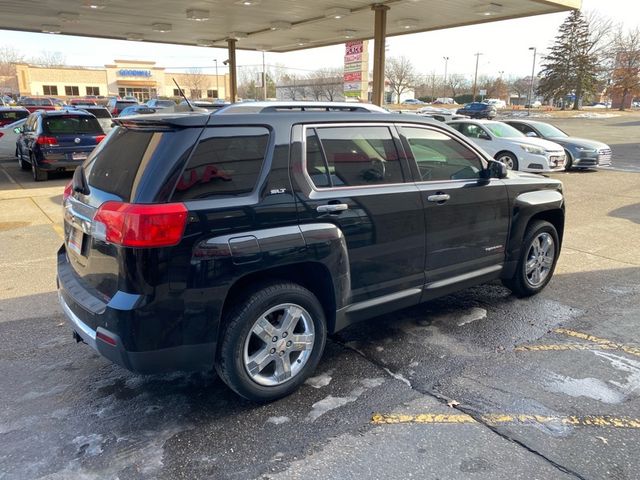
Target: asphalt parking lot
(475, 385)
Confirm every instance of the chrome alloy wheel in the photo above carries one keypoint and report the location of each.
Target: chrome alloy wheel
(507, 160)
(279, 344)
(540, 259)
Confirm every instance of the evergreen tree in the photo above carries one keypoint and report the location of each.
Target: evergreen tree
(571, 67)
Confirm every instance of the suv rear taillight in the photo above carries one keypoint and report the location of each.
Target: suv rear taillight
(68, 190)
(137, 225)
(44, 140)
(99, 138)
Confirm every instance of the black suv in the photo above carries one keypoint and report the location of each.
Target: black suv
(241, 240)
(478, 110)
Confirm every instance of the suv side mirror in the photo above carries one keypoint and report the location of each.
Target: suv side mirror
(531, 134)
(495, 169)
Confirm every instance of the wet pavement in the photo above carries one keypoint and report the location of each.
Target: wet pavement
(475, 385)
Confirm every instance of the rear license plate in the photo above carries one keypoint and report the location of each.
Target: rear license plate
(75, 240)
(79, 156)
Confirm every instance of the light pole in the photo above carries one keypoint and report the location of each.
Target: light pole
(475, 78)
(264, 79)
(533, 71)
(444, 82)
(217, 82)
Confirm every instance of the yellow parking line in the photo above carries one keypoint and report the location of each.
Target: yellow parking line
(602, 342)
(565, 346)
(497, 419)
(58, 229)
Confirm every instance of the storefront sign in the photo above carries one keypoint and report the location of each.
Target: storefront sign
(353, 48)
(353, 67)
(356, 57)
(134, 73)
(353, 77)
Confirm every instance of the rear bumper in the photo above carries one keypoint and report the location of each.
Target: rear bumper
(93, 321)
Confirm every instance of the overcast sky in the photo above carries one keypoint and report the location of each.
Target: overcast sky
(504, 46)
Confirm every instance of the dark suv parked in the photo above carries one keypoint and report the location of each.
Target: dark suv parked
(478, 110)
(56, 141)
(241, 240)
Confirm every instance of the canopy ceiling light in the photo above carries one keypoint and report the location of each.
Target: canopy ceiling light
(280, 25)
(302, 41)
(197, 15)
(136, 37)
(248, 3)
(161, 27)
(487, 9)
(205, 42)
(94, 4)
(407, 23)
(48, 28)
(337, 13)
(347, 33)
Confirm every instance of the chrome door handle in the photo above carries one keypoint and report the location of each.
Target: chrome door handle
(439, 197)
(332, 208)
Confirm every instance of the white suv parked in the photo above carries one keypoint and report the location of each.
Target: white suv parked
(513, 148)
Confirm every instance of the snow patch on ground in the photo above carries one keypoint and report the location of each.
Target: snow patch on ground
(584, 387)
(472, 315)
(320, 381)
(331, 403)
(278, 420)
(89, 445)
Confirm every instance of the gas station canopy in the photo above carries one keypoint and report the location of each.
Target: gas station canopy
(271, 25)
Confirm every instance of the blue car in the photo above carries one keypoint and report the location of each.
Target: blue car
(56, 141)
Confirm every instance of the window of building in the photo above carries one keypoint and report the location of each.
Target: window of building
(196, 93)
(50, 90)
(71, 91)
(226, 163)
(212, 93)
(352, 156)
(176, 92)
(93, 90)
(441, 157)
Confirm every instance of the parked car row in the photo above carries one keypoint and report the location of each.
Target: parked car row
(524, 145)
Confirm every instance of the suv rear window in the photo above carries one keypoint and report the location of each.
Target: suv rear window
(8, 117)
(59, 125)
(226, 163)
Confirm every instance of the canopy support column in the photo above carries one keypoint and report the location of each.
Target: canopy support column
(379, 36)
(233, 74)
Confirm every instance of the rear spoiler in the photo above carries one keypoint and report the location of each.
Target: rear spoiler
(163, 121)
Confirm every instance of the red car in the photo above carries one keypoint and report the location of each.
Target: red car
(33, 104)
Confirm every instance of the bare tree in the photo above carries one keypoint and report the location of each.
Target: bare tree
(521, 85)
(625, 80)
(292, 87)
(457, 84)
(325, 83)
(196, 82)
(50, 59)
(400, 74)
(9, 56)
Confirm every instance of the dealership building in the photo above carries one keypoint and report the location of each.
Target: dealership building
(141, 79)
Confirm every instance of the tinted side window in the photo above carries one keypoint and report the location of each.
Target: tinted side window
(440, 157)
(358, 156)
(473, 131)
(225, 164)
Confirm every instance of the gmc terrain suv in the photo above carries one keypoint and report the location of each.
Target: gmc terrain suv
(241, 240)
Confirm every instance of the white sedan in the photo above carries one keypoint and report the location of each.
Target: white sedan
(513, 148)
(8, 138)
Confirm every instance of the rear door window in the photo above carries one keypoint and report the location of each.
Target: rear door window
(71, 124)
(226, 163)
(352, 156)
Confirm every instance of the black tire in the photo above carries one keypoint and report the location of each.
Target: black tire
(509, 159)
(238, 334)
(521, 284)
(38, 174)
(568, 166)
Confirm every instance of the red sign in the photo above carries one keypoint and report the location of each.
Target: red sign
(353, 48)
(356, 57)
(353, 77)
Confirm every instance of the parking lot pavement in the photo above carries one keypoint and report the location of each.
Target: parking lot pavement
(475, 385)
